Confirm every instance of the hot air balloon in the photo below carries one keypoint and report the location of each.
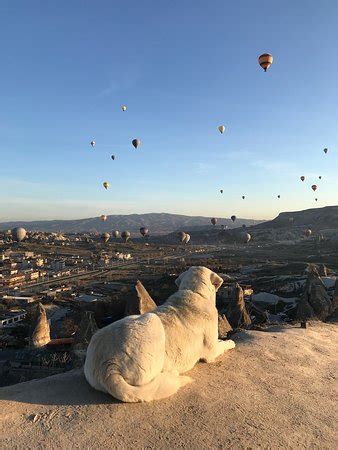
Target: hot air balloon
(181, 235)
(245, 237)
(302, 178)
(233, 218)
(116, 234)
(213, 221)
(19, 234)
(265, 61)
(243, 197)
(307, 232)
(125, 235)
(93, 143)
(105, 237)
(278, 196)
(325, 150)
(314, 187)
(106, 184)
(136, 142)
(123, 107)
(186, 238)
(221, 191)
(221, 129)
(113, 157)
(103, 218)
(320, 177)
(316, 199)
(144, 231)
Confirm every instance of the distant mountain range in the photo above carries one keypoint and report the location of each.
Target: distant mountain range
(158, 223)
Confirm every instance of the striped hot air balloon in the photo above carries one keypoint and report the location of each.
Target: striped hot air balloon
(265, 61)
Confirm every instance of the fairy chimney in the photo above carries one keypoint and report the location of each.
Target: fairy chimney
(140, 303)
(41, 330)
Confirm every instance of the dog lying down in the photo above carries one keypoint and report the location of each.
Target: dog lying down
(140, 358)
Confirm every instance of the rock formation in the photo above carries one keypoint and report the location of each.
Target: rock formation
(82, 337)
(315, 301)
(322, 270)
(236, 312)
(224, 326)
(41, 330)
(141, 303)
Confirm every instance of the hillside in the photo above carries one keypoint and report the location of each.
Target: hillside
(274, 390)
(314, 218)
(158, 223)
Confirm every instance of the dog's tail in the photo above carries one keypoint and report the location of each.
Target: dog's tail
(162, 386)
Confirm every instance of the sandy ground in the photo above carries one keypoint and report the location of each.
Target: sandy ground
(275, 390)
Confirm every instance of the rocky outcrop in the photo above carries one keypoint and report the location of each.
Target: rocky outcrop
(82, 337)
(41, 330)
(322, 270)
(141, 303)
(315, 301)
(224, 326)
(236, 312)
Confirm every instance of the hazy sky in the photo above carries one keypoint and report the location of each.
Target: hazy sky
(182, 68)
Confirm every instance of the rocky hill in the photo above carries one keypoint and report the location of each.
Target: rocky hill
(158, 223)
(314, 218)
(274, 390)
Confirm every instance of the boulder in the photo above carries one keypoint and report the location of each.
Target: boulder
(41, 330)
(141, 303)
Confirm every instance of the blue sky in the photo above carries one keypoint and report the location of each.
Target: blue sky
(182, 68)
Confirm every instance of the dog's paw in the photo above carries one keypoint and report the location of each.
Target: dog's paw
(230, 344)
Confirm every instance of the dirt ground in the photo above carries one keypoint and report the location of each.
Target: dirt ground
(274, 390)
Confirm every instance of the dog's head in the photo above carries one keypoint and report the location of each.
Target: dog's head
(199, 279)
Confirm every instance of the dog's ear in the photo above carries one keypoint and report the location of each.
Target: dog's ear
(178, 280)
(216, 280)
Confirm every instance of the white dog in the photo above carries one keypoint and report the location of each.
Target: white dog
(140, 358)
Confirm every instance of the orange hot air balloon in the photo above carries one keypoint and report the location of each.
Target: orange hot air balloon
(314, 187)
(213, 221)
(302, 178)
(221, 129)
(265, 61)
